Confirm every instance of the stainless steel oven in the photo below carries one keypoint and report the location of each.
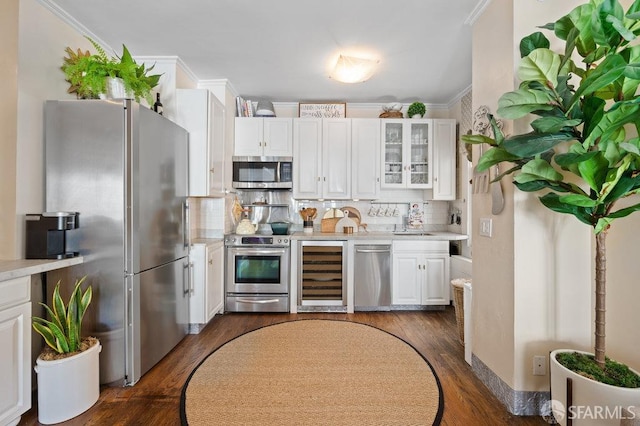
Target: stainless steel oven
(257, 273)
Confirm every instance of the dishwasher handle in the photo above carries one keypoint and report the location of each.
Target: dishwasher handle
(386, 250)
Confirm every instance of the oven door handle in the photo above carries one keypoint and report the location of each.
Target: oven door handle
(252, 251)
(258, 302)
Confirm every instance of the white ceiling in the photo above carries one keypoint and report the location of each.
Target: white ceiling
(280, 50)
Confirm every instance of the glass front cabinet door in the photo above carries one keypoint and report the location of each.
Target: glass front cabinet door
(407, 153)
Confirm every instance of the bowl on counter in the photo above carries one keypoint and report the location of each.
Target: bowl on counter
(280, 228)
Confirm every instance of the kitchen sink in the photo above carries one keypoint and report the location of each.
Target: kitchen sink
(419, 233)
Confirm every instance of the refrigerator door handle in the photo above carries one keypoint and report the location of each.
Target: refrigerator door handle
(191, 279)
(185, 224)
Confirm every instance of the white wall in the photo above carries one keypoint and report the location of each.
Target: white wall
(43, 38)
(493, 258)
(8, 119)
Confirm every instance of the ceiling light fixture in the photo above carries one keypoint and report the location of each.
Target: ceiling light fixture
(350, 69)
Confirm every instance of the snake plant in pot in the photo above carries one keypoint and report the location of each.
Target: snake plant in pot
(582, 153)
(67, 360)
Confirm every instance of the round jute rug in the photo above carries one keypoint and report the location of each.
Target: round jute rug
(313, 372)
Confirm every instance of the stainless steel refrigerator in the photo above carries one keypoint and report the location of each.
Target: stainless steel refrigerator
(124, 168)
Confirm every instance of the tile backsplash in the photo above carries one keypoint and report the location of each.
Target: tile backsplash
(212, 218)
(207, 217)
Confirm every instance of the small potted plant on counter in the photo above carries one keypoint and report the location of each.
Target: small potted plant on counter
(91, 76)
(580, 150)
(67, 361)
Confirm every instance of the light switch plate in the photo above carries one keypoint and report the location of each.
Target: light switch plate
(486, 225)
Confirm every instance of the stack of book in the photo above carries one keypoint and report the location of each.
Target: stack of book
(244, 108)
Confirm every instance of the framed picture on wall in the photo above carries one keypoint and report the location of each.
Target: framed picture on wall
(322, 110)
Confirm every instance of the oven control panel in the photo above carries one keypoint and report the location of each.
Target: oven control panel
(255, 240)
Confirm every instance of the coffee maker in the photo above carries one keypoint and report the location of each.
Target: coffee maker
(47, 234)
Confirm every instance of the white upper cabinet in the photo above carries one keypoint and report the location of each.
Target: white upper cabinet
(307, 154)
(263, 137)
(444, 159)
(336, 154)
(406, 153)
(365, 157)
(203, 116)
(322, 158)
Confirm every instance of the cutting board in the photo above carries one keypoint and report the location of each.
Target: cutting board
(346, 221)
(329, 224)
(353, 213)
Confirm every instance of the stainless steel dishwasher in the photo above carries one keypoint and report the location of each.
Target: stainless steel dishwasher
(372, 277)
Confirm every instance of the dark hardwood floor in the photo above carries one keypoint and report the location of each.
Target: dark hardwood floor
(155, 399)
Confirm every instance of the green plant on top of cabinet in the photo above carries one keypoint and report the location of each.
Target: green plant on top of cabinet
(322, 158)
(203, 115)
(365, 152)
(407, 153)
(263, 137)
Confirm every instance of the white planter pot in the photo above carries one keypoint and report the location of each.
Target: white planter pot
(116, 90)
(68, 387)
(594, 403)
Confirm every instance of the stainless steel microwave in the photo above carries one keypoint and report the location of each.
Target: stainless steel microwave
(263, 172)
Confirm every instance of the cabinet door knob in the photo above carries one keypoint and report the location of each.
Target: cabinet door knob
(211, 170)
(210, 261)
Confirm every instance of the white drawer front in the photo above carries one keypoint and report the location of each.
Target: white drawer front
(14, 291)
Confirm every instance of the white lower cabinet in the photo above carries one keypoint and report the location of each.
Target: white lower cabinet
(207, 296)
(420, 273)
(15, 357)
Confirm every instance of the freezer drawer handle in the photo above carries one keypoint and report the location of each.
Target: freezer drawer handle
(259, 302)
(186, 278)
(372, 251)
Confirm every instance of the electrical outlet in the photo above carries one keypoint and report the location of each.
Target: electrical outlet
(486, 226)
(539, 365)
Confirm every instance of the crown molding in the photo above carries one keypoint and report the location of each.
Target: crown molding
(476, 12)
(216, 82)
(72, 22)
(459, 96)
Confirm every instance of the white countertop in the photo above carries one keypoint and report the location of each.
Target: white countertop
(432, 236)
(207, 240)
(10, 269)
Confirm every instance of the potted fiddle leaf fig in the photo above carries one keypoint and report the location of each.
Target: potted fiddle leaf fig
(67, 358)
(582, 152)
(91, 76)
